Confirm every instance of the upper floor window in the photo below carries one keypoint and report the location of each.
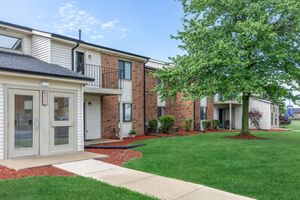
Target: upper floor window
(124, 70)
(80, 62)
(10, 42)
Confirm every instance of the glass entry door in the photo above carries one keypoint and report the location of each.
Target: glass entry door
(23, 124)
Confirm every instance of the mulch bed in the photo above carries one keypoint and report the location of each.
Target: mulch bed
(121, 156)
(7, 173)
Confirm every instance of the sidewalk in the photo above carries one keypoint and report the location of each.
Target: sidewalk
(146, 183)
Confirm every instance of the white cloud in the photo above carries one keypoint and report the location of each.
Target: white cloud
(110, 24)
(70, 18)
(96, 37)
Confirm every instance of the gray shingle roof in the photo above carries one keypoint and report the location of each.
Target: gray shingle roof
(21, 63)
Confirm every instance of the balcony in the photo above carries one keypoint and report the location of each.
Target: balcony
(105, 78)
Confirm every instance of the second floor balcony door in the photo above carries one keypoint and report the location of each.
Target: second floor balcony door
(80, 62)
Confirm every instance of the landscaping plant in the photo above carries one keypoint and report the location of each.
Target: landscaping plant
(153, 125)
(255, 116)
(216, 124)
(238, 49)
(188, 124)
(206, 124)
(132, 133)
(166, 123)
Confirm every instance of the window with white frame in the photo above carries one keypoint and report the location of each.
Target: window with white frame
(10, 42)
(127, 112)
(124, 70)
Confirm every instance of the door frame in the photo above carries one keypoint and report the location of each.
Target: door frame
(10, 98)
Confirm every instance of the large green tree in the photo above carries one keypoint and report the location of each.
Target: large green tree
(239, 48)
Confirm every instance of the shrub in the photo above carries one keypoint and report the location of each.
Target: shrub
(132, 132)
(153, 125)
(188, 124)
(166, 123)
(255, 116)
(216, 124)
(206, 124)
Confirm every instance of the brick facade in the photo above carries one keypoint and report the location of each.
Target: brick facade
(151, 97)
(138, 96)
(210, 108)
(181, 110)
(109, 104)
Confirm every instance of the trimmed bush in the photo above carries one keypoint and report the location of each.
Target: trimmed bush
(206, 124)
(166, 123)
(188, 124)
(132, 132)
(216, 124)
(153, 125)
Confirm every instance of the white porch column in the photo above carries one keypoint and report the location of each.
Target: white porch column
(121, 118)
(230, 115)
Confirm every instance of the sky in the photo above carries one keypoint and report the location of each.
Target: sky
(137, 26)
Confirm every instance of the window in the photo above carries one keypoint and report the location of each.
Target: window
(124, 70)
(61, 110)
(9, 42)
(80, 62)
(127, 112)
(161, 111)
(61, 135)
(203, 113)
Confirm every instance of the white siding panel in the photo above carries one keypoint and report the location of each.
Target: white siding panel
(127, 92)
(263, 107)
(80, 140)
(127, 126)
(160, 102)
(93, 118)
(2, 146)
(238, 117)
(40, 48)
(61, 54)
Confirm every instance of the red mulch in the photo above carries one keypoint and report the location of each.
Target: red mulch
(7, 173)
(121, 156)
(245, 137)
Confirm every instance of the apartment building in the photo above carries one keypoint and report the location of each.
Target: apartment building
(57, 92)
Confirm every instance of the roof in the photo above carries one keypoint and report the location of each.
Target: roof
(296, 110)
(72, 39)
(13, 62)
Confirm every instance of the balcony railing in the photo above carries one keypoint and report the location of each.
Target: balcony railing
(105, 77)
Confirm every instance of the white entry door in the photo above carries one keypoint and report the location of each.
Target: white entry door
(23, 123)
(92, 117)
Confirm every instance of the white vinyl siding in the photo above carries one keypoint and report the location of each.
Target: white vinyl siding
(93, 117)
(80, 138)
(40, 48)
(264, 108)
(127, 91)
(127, 126)
(2, 146)
(61, 54)
(160, 102)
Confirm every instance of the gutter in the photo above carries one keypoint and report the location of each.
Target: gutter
(73, 49)
(145, 131)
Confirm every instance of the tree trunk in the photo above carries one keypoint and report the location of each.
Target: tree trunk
(245, 114)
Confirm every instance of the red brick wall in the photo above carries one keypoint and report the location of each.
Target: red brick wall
(197, 115)
(180, 110)
(109, 105)
(151, 97)
(210, 108)
(138, 96)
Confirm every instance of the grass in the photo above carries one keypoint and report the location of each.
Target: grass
(263, 169)
(295, 125)
(46, 188)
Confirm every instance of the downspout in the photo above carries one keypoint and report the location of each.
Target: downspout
(73, 49)
(145, 131)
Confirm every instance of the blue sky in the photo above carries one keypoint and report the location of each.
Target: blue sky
(138, 26)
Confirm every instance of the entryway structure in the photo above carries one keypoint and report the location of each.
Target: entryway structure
(146, 183)
(40, 107)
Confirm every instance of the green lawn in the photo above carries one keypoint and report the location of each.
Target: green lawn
(263, 169)
(63, 188)
(295, 125)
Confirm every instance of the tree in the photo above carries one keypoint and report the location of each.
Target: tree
(236, 48)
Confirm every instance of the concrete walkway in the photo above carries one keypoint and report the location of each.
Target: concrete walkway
(39, 161)
(153, 185)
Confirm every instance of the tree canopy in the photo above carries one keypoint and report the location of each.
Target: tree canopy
(236, 47)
